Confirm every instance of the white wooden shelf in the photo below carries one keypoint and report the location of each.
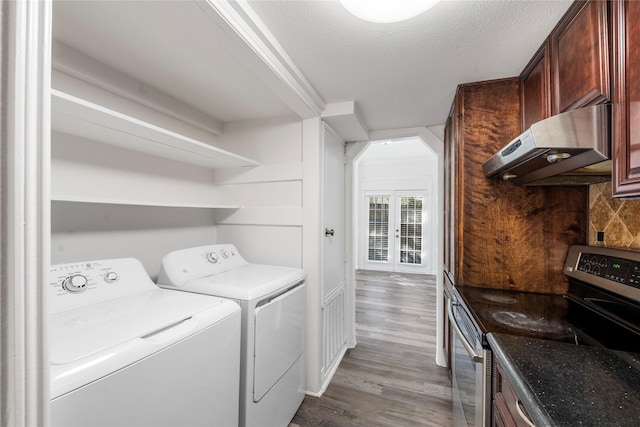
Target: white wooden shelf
(98, 200)
(83, 118)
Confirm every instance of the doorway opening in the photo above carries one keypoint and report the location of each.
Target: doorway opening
(396, 205)
(395, 182)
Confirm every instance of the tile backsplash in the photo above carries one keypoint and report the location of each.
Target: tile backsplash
(618, 220)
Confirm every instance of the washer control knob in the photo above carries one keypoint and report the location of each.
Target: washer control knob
(75, 284)
(225, 253)
(111, 277)
(212, 257)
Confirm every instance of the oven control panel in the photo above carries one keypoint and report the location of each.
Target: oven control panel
(612, 268)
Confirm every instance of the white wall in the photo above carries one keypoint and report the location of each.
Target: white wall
(86, 170)
(89, 170)
(100, 190)
(268, 227)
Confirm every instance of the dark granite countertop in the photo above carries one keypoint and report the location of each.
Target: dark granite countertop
(517, 313)
(563, 384)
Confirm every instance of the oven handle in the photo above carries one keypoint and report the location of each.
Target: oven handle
(474, 356)
(522, 415)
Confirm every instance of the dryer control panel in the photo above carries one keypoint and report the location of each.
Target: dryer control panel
(89, 282)
(178, 267)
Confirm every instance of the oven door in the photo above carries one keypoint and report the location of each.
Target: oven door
(470, 371)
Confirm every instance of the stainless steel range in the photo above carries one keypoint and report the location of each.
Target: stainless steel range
(602, 308)
(604, 297)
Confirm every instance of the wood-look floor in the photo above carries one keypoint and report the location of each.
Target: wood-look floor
(390, 378)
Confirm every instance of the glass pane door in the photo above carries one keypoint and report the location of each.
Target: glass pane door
(378, 236)
(393, 231)
(410, 229)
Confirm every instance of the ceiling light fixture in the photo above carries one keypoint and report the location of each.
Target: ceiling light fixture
(387, 11)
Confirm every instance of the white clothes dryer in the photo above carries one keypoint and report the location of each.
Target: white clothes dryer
(124, 352)
(273, 302)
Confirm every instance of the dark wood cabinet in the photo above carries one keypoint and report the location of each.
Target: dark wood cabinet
(625, 111)
(579, 49)
(497, 234)
(450, 226)
(571, 68)
(508, 410)
(450, 211)
(535, 88)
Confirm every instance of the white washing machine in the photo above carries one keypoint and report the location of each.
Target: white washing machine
(124, 352)
(273, 301)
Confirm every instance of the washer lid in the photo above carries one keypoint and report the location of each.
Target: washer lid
(79, 333)
(246, 283)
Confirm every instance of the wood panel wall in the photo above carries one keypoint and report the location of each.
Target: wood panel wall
(512, 237)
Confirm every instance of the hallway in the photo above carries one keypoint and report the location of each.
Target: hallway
(390, 378)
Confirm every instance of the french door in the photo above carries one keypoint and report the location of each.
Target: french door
(395, 225)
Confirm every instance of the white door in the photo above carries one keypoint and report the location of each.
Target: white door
(411, 221)
(332, 308)
(395, 226)
(333, 212)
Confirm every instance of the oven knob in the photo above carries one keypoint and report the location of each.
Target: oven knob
(75, 284)
(111, 277)
(212, 257)
(225, 254)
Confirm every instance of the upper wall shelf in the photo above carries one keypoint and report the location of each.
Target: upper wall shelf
(83, 118)
(107, 201)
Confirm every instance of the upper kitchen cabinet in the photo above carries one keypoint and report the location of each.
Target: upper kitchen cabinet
(580, 57)
(625, 113)
(571, 68)
(535, 83)
(498, 235)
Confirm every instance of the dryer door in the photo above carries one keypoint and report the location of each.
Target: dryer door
(279, 338)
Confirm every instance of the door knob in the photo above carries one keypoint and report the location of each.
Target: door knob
(328, 232)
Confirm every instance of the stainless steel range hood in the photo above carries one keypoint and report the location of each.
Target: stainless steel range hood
(571, 148)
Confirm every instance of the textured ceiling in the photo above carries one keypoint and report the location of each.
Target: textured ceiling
(405, 74)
